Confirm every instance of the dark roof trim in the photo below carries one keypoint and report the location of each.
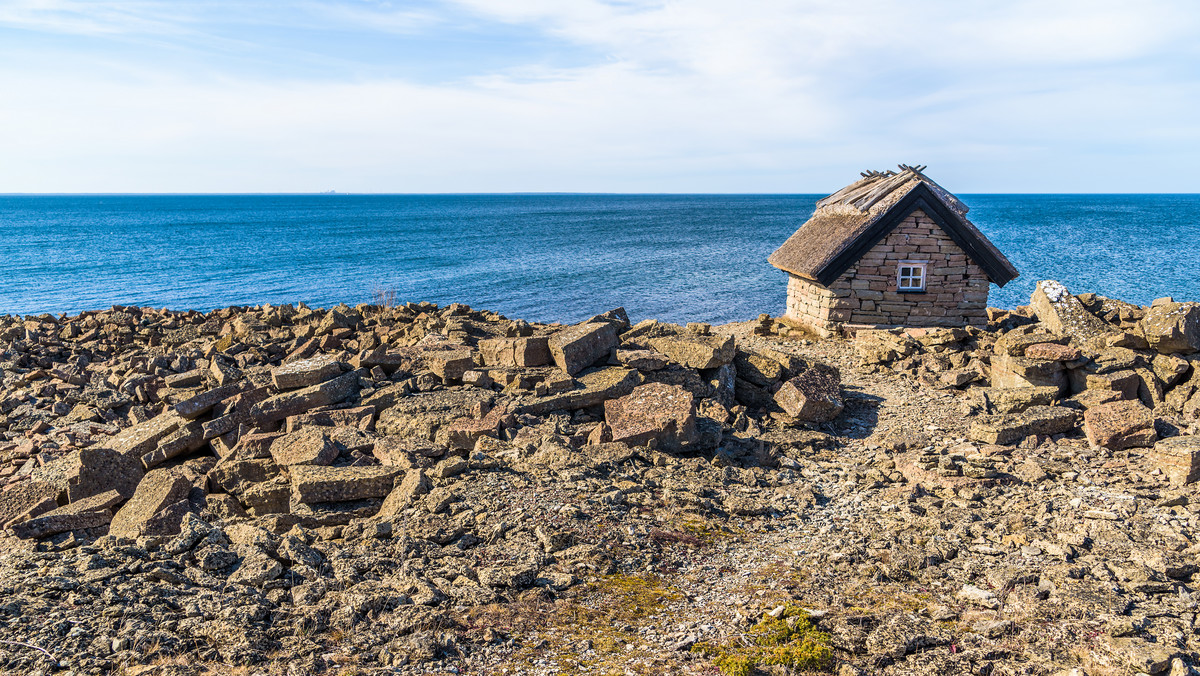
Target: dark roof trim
(924, 198)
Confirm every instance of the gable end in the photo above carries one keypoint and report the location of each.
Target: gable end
(921, 197)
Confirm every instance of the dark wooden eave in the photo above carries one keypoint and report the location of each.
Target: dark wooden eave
(923, 198)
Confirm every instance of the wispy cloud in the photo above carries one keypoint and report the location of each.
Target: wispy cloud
(590, 95)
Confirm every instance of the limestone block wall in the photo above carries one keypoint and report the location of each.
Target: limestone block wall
(956, 290)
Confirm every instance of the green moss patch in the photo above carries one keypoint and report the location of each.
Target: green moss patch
(789, 640)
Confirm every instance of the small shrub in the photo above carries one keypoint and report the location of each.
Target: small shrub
(384, 297)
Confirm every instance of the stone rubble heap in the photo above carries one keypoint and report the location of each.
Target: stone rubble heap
(418, 489)
(237, 447)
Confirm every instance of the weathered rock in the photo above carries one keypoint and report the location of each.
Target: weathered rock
(759, 369)
(1009, 428)
(415, 484)
(1014, 399)
(448, 364)
(18, 499)
(156, 508)
(91, 471)
(1009, 371)
(143, 438)
(298, 401)
(516, 352)
(1179, 459)
(664, 413)
(1064, 315)
(234, 476)
(359, 417)
(592, 389)
(187, 439)
(205, 401)
(815, 395)
(420, 416)
(186, 379)
(696, 351)
(305, 372)
(1014, 343)
(1052, 352)
(883, 346)
(1173, 327)
(305, 446)
(89, 512)
(463, 433)
(313, 484)
(577, 347)
(256, 570)
(1119, 425)
(642, 360)
(516, 577)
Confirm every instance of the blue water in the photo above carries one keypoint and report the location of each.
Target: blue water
(539, 257)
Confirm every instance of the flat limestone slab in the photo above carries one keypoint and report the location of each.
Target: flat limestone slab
(1009, 428)
(305, 372)
(314, 484)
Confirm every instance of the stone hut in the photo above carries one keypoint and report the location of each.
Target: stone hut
(892, 249)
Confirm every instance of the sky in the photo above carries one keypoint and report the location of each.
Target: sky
(756, 96)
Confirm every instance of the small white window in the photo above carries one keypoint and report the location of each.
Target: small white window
(911, 276)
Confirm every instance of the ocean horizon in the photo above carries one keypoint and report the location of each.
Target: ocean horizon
(540, 256)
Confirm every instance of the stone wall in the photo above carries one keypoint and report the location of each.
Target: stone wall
(956, 290)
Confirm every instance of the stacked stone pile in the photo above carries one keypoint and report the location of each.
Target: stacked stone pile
(1124, 375)
(423, 489)
(219, 438)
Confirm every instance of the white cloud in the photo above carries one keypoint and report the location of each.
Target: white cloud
(700, 95)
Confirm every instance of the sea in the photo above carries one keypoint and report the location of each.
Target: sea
(541, 257)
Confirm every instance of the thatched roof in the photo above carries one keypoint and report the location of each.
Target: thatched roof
(849, 222)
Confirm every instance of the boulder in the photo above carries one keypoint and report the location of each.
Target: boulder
(577, 347)
(291, 403)
(359, 417)
(1065, 315)
(414, 484)
(759, 369)
(1052, 352)
(815, 395)
(305, 446)
(235, 476)
(448, 364)
(883, 346)
(1009, 428)
(1014, 343)
(515, 352)
(187, 439)
(312, 484)
(696, 351)
(1172, 327)
(305, 372)
(642, 360)
(1014, 399)
(156, 508)
(1010, 371)
(420, 416)
(1178, 458)
(90, 471)
(90, 512)
(462, 433)
(654, 411)
(591, 389)
(202, 403)
(1119, 425)
(142, 438)
(17, 499)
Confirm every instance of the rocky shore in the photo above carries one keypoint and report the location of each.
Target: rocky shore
(415, 489)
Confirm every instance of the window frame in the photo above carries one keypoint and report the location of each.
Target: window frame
(922, 266)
